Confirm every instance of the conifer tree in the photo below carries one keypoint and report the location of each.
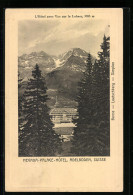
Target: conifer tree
(103, 92)
(85, 119)
(91, 134)
(37, 136)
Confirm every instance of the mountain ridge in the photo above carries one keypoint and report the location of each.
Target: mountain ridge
(49, 62)
(61, 79)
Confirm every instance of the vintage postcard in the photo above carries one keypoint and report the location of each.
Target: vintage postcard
(64, 100)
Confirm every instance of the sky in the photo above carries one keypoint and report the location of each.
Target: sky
(58, 36)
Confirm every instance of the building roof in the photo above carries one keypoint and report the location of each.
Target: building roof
(63, 111)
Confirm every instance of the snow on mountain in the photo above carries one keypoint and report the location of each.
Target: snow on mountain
(66, 76)
(57, 62)
(74, 59)
(62, 72)
(26, 62)
(61, 59)
(74, 52)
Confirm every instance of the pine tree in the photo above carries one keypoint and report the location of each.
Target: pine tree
(85, 120)
(103, 91)
(37, 136)
(91, 134)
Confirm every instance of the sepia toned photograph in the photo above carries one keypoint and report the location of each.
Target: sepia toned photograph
(64, 100)
(63, 88)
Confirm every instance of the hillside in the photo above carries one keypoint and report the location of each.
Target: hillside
(26, 63)
(62, 78)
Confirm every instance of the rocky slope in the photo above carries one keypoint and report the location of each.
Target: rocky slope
(62, 73)
(61, 60)
(27, 62)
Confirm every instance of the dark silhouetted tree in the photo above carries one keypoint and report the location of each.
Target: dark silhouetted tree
(85, 121)
(91, 134)
(37, 137)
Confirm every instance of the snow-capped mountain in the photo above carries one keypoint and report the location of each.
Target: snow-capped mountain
(26, 62)
(62, 73)
(61, 59)
(65, 78)
(75, 52)
(75, 58)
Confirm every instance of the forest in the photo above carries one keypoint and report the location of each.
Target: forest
(91, 136)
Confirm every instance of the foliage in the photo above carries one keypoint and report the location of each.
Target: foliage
(91, 134)
(37, 137)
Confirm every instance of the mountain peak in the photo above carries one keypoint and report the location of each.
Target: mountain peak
(75, 61)
(73, 51)
(77, 49)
